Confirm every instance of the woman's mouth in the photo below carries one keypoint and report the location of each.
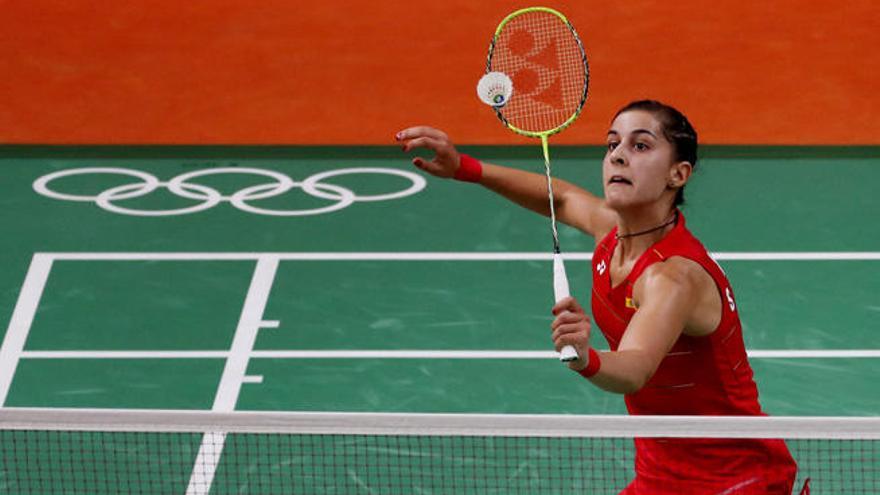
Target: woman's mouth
(619, 179)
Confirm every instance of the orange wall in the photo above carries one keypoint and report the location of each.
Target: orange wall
(334, 72)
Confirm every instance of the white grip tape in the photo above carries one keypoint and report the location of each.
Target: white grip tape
(560, 280)
(560, 291)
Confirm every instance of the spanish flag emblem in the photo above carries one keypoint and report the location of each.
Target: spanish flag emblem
(630, 304)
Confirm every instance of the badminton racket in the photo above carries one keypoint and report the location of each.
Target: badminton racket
(536, 81)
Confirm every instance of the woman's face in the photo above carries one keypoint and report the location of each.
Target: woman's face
(639, 163)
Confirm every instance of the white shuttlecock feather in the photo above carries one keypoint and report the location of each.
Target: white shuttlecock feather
(495, 89)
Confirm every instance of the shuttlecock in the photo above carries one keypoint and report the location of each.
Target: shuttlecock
(494, 89)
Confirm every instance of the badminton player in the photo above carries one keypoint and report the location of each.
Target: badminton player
(665, 307)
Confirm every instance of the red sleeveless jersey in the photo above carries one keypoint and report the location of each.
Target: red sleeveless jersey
(707, 375)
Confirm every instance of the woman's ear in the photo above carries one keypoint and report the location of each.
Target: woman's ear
(679, 173)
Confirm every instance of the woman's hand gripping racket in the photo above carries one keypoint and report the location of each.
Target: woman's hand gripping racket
(536, 81)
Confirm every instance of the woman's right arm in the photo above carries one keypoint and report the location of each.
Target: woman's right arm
(574, 206)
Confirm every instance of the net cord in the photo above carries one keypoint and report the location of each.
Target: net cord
(397, 424)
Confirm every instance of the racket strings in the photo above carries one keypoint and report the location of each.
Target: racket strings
(545, 59)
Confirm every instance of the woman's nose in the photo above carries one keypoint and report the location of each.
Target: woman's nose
(616, 157)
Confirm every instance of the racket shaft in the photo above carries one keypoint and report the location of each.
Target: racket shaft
(560, 292)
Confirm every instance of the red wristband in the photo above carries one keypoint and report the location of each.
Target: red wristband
(593, 365)
(469, 169)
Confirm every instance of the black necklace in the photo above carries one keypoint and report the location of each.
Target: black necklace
(670, 222)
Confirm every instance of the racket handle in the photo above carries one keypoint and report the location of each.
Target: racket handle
(560, 291)
(568, 354)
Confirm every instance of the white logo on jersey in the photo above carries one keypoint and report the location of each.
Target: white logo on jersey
(730, 299)
(601, 267)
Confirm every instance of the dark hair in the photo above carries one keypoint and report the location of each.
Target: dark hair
(676, 129)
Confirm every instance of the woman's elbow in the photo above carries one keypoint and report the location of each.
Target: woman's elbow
(634, 381)
(624, 385)
(633, 385)
(629, 374)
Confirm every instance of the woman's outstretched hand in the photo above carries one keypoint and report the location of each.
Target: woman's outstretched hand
(446, 158)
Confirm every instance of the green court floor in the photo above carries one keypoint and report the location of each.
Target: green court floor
(755, 207)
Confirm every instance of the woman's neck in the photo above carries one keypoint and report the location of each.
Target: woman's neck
(638, 230)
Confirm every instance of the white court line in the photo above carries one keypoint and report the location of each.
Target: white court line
(246, 334)
(410, 354)
(450, 256)
(249, 324)
(124, 354)
(21, 320)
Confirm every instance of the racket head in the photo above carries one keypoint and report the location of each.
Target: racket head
(541, 52)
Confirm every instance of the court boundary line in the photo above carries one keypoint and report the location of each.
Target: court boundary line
(439, 256)
(408, 354)
(22, 319)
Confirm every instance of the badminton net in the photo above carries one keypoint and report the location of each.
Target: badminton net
(76, 451)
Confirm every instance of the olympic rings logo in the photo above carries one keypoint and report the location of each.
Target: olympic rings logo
(210, 197)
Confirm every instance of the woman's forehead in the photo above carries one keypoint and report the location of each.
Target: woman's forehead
(632, 120)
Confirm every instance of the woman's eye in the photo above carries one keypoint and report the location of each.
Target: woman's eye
(611, 146)
(641, 146)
